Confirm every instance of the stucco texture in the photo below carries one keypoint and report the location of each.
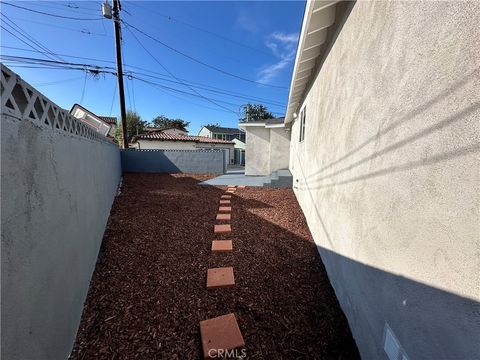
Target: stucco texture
(57, 190)
(388, 175)
(266, 150)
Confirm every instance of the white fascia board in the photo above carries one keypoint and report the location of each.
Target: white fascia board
(251, 124)
(311, 7)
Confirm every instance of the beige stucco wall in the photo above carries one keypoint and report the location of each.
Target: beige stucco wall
(279, 149)
(165, 145)
(388, 175)
(266, 150)
(257, 151)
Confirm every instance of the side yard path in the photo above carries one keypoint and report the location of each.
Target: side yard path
(148, 293)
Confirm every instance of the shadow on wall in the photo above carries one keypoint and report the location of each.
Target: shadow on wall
(429, 323)
(465, 115)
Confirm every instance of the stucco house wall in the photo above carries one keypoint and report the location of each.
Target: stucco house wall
(164, 145)
(388, 175)
(279, 149)
(267, 149)
(257, 151)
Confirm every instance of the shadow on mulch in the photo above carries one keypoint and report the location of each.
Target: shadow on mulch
(148, 293)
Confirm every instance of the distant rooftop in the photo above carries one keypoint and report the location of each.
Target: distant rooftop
(162, 136)
(223, 130)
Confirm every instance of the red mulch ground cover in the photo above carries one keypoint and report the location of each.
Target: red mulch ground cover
(148, 293)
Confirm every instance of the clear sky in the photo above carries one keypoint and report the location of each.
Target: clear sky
(248, 40)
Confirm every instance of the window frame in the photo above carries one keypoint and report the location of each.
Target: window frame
(303, 115)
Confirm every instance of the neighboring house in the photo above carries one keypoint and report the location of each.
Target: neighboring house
(104, 125)
(228, 134)
(170, 139)
(171, 131)
(267, 146)
(384, 116)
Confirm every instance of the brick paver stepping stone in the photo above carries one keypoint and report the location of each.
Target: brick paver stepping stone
(224, 209)
(220, 278)
(224, 202)
(220, 333)
(222, 229)
(222, 246)
(224, 216)
(225, 197)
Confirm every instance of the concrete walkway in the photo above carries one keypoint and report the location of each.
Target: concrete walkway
(236, 177)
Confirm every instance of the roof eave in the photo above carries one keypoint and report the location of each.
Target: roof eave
(319, 15)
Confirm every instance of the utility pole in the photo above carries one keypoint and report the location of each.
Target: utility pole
(118, 50)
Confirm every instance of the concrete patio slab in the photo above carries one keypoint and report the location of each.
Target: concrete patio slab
(220, 334)
(226, 197)
(225, 209)
(237, 178)
(224, 202)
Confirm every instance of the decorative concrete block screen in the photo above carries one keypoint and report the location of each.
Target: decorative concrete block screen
(59, 179)
(173, 161)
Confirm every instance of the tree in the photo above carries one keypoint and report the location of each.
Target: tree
(212, 125)
(135, 126)
(255, 112)
(162, 122)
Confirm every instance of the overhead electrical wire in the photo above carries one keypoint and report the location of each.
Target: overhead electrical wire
(50, 64)
(65, 8)
(30, 38)
(171, 18)
(168, 71)
(58, 82)
(84, 31)
(49, 14)
(163, 77)
(200, 61)
(25, 42)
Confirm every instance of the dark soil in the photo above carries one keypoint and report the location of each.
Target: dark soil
(148, 293)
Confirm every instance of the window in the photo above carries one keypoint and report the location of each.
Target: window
(302, 124)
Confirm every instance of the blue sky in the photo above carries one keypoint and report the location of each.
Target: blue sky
(251, 40)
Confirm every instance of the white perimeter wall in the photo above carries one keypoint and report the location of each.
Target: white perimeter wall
(388, 175)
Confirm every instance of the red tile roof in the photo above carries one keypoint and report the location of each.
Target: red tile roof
(109, 119)
(171, 137)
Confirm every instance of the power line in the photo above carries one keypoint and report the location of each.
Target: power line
(164, 68)
(113, 98)
(83, 90)
(171, 18)
(200, 61)
(48, 14)
(51, 6)
(57, 82)
(160, 76)
(30, 38)
(26, 43)
(84, 31)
